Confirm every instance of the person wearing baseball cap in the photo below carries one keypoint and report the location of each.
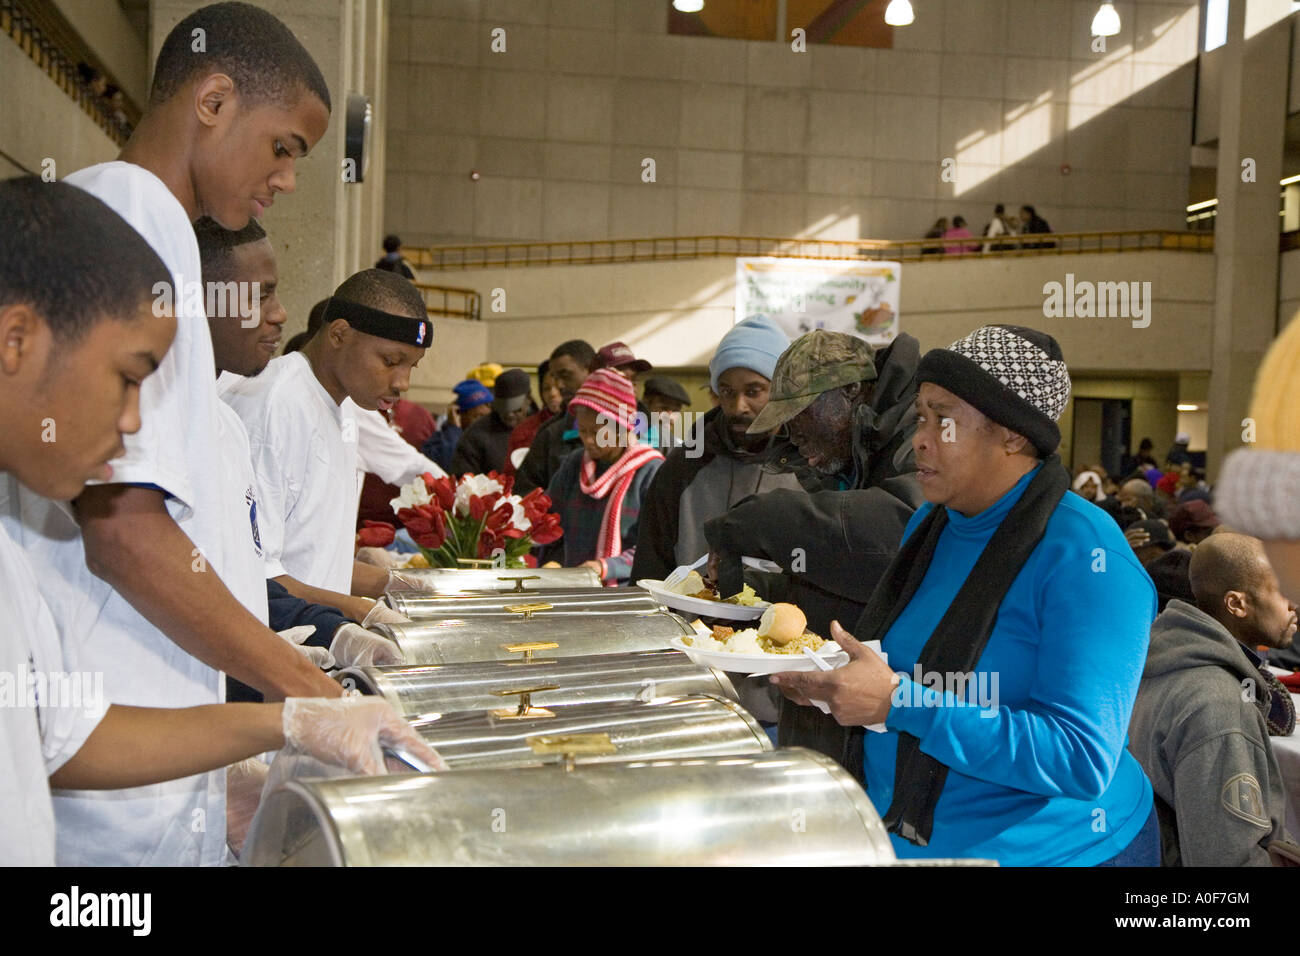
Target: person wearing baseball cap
(473, 401)
(483, 447)
(1193, 521)
(599, 488)
(617, 356)
(1003, 579)
(847, 410)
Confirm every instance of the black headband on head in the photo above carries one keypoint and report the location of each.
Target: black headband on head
(386, 325)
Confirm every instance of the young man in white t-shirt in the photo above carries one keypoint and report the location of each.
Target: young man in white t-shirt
(75, 345)
(156, 572)
(245, 329)
(299, 416)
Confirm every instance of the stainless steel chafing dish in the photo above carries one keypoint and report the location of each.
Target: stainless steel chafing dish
(528, 629)
(789, 807)
(697, 726)
(459, 580)
(425, 606)
(450, 688)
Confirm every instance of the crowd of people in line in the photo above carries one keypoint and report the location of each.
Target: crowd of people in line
(1081, 670)
(1028, 222)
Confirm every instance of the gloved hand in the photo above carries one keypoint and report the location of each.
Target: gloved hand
(381, 613)
(317, 655)
(354, 646)
(404, 581)
(379, 557)
(351, 732)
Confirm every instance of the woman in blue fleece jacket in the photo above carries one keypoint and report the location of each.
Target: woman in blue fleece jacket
(1015, 620)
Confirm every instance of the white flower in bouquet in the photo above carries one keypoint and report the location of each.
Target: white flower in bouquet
(411, 495)
(471, 485)
(518, 517)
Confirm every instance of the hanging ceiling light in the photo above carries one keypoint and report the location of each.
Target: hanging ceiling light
(899, 13)
(1106, 22)
(688, 6)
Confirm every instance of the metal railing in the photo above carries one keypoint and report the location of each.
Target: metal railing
(49, 41)
(606, 251)
(451, 301)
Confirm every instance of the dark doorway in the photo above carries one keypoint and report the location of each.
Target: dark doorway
(1101, 432)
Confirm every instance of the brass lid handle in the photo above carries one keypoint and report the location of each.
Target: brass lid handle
(476, 562)
(528, 647)
(525, 708)
(569, 746)
(528, 610)
(519, 581)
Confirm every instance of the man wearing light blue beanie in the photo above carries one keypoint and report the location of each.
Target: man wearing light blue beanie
(755, 344)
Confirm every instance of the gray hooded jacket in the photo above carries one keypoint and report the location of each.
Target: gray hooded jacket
(1198, 731)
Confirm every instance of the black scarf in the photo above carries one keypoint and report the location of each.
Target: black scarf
(959, 639)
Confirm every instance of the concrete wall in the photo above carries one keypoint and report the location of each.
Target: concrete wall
(752, 138)
(38, 121)
(106, 30)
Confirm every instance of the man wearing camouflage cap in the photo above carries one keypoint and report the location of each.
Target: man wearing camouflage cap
(849, 410)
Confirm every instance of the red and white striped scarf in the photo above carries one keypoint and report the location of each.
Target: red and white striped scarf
(614, 482)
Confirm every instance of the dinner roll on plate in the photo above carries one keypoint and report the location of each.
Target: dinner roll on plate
(782, 623)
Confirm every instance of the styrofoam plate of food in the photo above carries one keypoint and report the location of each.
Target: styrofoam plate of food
(680, 599)
(757, 664)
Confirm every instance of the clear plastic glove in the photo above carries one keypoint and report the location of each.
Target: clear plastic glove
(354, 646)
(381, 613)
(317, 655)
(379, 557)
(404, 581)
(351, 732)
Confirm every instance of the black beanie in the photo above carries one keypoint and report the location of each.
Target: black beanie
(1014, 375)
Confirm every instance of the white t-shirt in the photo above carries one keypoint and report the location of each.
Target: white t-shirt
(46, 713)
(182, 448)
(382, 451)
(305, 456)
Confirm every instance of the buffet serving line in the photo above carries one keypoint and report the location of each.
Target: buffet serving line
(579, 725)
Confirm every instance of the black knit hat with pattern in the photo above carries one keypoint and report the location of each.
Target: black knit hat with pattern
(1014, 375)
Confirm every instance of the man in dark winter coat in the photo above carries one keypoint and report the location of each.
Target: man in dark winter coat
(1207, 706)
(720, 464)
(570, 364)
(850, 412)
(482, 448)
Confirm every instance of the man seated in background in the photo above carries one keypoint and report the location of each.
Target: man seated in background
(300, 424)
(1138, 493)
(482, 446)
(571, 363)
(473, 401)
(1149, 539)
(1207, 705)
(1193, 521)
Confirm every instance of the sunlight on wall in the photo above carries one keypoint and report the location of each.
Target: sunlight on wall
(1121, 73)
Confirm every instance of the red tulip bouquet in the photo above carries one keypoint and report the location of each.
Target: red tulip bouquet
(477, 517)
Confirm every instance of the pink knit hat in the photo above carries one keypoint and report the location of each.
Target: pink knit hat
(607, 393)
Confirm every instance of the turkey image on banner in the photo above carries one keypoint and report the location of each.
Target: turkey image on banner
(840, 295)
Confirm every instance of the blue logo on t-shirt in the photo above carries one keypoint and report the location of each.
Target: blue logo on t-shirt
(251, 498)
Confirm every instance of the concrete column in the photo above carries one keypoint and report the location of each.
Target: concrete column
(1252, 120)
(327, 229)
